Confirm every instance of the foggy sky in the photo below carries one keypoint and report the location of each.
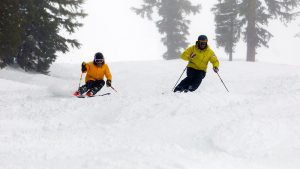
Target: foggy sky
(116, 31)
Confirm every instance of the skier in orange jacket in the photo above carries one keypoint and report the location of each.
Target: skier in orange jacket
(95, 72)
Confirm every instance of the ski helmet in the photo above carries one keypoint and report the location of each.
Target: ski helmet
(98, 58)
(202, 42)
(202, 38)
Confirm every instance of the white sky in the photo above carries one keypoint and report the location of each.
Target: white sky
(113, 29)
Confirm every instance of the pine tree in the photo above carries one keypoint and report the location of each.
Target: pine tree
(10, 31)
(42, 22)
(250, 18)
(256, 14)
(227, 25)
(39, 24)
(173, 24)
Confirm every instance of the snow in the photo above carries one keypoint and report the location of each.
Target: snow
(145, 125)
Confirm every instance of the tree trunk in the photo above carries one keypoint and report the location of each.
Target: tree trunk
(231, 37)
(250, 50)
(251, 32)
(230, 56)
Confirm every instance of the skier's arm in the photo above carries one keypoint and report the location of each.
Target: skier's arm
(214, 61)
(108, 76)
(83, 67)
(107, 73)
(187, 53)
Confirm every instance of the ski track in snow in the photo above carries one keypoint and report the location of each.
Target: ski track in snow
(145, 125)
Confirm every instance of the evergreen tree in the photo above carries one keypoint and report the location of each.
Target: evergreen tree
(227, 25)
(173, 24)
(43, 21)
(40, 23)
(250, 17)
(10, 31)
(256, 14)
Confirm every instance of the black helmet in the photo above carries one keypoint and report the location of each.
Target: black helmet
(202, 38)
(98, 58)
(98, 55)
(202, 42)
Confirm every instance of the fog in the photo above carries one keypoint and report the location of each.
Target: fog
(112, 28)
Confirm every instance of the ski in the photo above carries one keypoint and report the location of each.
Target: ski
(81, 96)
(105, 94)
(85, 96)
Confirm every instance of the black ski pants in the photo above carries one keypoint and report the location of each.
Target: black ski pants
(192, 81)
(93, 86)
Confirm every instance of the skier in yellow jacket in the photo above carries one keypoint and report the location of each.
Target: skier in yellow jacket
(95, 72)
(198, 56)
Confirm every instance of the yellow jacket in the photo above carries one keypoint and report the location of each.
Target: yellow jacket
(95, 72)
(200, 61)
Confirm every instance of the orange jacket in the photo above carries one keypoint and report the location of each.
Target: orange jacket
(95, 72)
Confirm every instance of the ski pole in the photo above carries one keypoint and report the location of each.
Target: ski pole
(222, 82)
(180, 77)
(114, 89)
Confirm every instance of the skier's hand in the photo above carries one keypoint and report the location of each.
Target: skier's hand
(216, 70)
(83, 67)
(192, 56)
(108, 83)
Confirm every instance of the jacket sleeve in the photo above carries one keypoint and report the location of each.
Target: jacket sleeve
(214, 60)
(107, 73)
(187, 53)
(87, 66)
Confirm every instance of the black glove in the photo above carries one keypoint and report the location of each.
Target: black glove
(216, 70)
(83, 67)
(108, 83)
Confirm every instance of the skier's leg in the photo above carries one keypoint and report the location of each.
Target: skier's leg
(191, 75)
(97, 86)
(197, 79)
(88, 85)
(186, 82)
(182, 85)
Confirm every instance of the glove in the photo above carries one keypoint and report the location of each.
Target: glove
(216, 70)
(192, 56)
(83, 67)
(108, 83)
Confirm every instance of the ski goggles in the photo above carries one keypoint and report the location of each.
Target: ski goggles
(99, 60)
(202, 43)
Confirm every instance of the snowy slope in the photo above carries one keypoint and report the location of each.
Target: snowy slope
(146, 126)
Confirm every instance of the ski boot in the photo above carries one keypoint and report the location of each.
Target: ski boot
(78, 94)
(90, 94)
